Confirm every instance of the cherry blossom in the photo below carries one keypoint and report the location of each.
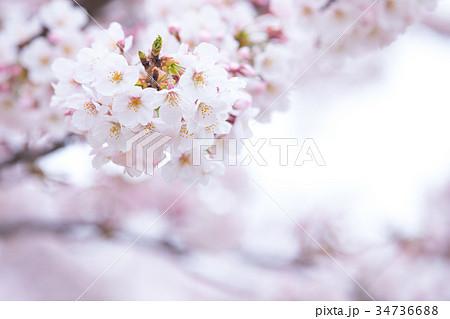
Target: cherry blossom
(135, 106)
(114, 75)
(61, 15)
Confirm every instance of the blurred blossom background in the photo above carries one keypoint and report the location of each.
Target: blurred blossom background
(373, 223)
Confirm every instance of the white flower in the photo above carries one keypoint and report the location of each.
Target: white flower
(200, 25)
(8, 51)
(181, 167)
(60, 14)
(88, 59)
(108, 130)
(172, 105)
(185, 136)
(135, 106)
(217, 128)
(68, 42)
(64, 70)
(202, 81)
(273, 62)
(207, 53)
(231, 90)
(86, 112)
(241, 125)
(114, 75)
(17, 24)
(209, 112)
(113, 39)
(37, 58)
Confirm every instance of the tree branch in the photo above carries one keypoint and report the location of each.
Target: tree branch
(28, 156)
(327, 5)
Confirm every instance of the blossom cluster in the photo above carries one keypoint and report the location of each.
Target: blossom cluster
(271, 43)
(252, 42)
(266, 44)
(189, 88)
(348, 28)
(32, 36)
(111, 99)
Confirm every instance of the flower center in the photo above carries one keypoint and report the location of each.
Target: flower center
(184, 133)
(150, 128)
(115, 77)
(211, 128)
(339, 14)
(90, 109)
(200, 79)
(205, 110)
(172, 100)
(134, 104)
(114, 131)
(45, 60)
(268, 62)
(68, 49)
(307, 11)
(185, 159)
(391, 5)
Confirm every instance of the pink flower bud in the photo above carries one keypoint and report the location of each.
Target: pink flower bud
(121, 44)
(243, 103)
(244, 53)
(69, 112)
(173, 29)
(247, 70)
(53, 38)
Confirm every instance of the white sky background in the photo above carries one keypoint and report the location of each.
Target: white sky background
(383, 131)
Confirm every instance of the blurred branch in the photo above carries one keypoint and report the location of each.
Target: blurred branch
(327, 5)
(69, 228)
(29, 156)
(93, 6)
(26, 227)
(72, 227)
(105, 230)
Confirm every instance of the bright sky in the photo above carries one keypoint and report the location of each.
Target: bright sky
(383, 133)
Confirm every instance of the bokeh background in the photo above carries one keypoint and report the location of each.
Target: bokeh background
(373, 223)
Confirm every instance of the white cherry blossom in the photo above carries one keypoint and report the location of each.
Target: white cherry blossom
(88, 59)
(172, 106)
(86, 111)
(108, 130)
(135, 106)
(37, 59)
(114, 75)
(61, 15)
(113, 39)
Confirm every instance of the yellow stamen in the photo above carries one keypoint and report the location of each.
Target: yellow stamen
(115, 77)
(200, 80)
(134, 104)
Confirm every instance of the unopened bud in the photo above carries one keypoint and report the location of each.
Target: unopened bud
(247, 70)
(156, 47)
(144, 59)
